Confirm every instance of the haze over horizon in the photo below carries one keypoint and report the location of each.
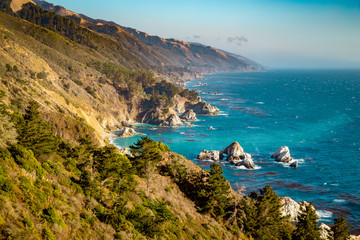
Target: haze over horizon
(275, 33)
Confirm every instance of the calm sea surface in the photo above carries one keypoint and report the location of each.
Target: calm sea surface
(316, 113)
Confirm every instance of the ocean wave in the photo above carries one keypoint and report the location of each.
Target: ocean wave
(250, 127)
(339, 201)
(261, 103)
(244, 168)
(324, 215)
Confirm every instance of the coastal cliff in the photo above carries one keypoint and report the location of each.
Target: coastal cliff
(63, 88)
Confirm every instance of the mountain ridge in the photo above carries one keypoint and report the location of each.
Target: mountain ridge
(197, 58)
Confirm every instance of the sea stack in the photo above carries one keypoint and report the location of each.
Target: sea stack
(282, 155)
(233, 152)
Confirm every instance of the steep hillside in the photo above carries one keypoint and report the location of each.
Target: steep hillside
(171, 52)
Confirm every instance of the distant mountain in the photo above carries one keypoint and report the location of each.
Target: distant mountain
(171, 54)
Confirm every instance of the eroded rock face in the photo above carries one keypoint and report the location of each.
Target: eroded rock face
(325, 232)
(290, 208)
(189, 115)
(204, 108)
(208, 155)
(247, 162)
(127, 132)
(234, 152)
(171, 121)
(282, 155)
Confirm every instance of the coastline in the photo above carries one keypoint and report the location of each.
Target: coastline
(270, 170)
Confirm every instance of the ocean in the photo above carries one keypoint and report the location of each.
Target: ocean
(316, 113)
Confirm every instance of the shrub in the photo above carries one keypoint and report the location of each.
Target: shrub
(52, 216)
(25, 159)
(41, 75)
(48, 234)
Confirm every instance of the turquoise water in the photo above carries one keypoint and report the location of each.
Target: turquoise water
(316, 113)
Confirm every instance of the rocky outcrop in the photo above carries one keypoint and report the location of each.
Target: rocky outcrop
(290, 208)
(157, 117)
(233, 152)
(209, 155)
(282, 155)
(211, 128)
(171, 121)
(235, 155)
(189, 115)
(294, 164)
(203, 108)
(246, 162)
(127, 132)
(325, 232)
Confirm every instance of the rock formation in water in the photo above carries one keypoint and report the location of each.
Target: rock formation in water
(203, 108)
(127, 132)
(294, 164)
(209, 155)
(233, 152)
(282, 155)
(171, 121)
(234, 155)
(189, 115)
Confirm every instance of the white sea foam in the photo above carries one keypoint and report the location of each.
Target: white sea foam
(244, 168)
(260, 103)
(225, 99)
(250, 127)
(182, 133)
(324, 215)
(339, 200)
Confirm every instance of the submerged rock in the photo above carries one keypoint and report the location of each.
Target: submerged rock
(189, 125)
(234, 152)
(208, 155)
(189, 115)
(282, 155)
(127, 132)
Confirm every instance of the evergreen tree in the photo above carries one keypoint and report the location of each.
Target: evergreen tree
(263, 217)
(215, 192)
(146, 153)
(35, 133)
(307, 226)
(340, 229)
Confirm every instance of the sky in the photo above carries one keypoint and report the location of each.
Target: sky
(274, 33)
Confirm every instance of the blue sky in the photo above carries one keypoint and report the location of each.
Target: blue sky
(275, 33)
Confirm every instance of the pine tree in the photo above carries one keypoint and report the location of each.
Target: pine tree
(268, 223)
(340, 229)
(215, 192)
(307, 226)
(35, 133)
